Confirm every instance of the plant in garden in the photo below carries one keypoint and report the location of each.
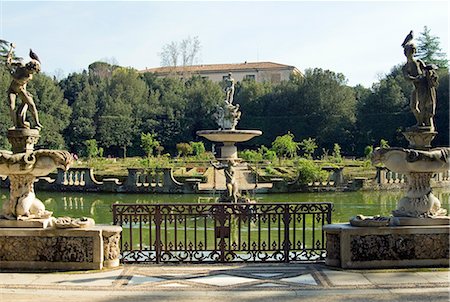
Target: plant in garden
(198, 148)
(92, 150)
(337, 157)
(149, 143)
(308, 146)
(184, 149)
(285, 146)
(368, 150)
(308, 171)
(384, 144)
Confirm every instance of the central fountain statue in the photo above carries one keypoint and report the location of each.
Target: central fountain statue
(227, 117)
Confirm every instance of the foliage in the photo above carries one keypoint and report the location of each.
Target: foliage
(337, 157)
(251, 155)
(92, 150)
(285, 146)
(429, 49)
(149, 143)
(308, 146)
(198, 148)
(184, 149)
(368, 150)
(384, 144)
(309, 172)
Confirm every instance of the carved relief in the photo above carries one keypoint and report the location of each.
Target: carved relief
(399, 247)
(111, 247)
(48, 249)
(333, 246)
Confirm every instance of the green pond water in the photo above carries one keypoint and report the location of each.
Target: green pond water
(346, 204)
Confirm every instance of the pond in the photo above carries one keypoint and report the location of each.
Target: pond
(346, 204)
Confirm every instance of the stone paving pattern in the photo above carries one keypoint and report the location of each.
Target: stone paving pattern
(230, 282)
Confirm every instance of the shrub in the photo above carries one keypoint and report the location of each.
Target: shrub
(308, 171)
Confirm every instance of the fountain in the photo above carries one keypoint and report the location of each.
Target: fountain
(30, 238)
(227, 117)
(417, 233)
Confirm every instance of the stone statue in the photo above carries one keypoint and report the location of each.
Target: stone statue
(21, 74)
(229, 89)
(231, 181)
(425, 79)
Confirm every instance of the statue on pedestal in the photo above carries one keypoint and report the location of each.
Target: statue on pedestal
(425, 79)
(21, 74)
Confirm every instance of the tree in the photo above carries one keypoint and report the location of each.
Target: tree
(54, 112)
(184, 149)
(198, 148)
(92, 149)
(149, 143)
(328, 105)
(308, 146)
(185, 52)
(285, 146)
(429, 49)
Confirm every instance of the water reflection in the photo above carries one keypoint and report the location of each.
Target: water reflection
(347, 204)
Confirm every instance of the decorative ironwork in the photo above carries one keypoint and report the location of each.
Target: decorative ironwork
(222, 232)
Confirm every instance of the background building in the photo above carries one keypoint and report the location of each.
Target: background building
(258, 71)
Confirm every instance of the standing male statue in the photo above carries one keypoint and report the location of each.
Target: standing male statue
(21, 74)
(229, 89)
(425, 79)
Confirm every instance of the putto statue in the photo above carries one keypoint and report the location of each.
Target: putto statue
(21, 74)
(425, 79)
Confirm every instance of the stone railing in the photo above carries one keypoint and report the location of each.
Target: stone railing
(137, 181)
(385, 177)
(334, 182)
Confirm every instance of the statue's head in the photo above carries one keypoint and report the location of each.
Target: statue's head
(409, 49)
(34, 66)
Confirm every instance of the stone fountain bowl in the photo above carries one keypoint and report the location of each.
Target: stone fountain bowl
(235, 136)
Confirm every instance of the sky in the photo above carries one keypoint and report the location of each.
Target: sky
(360, 39)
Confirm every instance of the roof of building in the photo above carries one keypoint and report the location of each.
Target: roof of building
(220, 67)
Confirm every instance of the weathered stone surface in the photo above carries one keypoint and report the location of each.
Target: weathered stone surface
(59, 249)
(387, 247)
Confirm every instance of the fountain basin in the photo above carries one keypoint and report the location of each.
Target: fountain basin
(235, 136)
(228, 138)
(413, 161)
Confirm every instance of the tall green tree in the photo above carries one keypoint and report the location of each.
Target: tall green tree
(54, 111)
(429, 49)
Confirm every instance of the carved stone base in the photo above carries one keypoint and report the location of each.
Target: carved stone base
(22, 139)
(387, 247)
(59, 249)
(420, 139)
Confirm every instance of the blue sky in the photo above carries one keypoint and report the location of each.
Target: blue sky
(359, 39)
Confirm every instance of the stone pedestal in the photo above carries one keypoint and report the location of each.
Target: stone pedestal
(420, 138)
(52, 249)
(22, 139)
(387, 247)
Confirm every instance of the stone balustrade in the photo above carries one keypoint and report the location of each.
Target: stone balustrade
(385, 177)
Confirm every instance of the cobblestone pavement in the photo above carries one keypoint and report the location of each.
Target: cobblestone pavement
(243, 282)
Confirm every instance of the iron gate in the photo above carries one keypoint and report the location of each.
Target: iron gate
(222, 232)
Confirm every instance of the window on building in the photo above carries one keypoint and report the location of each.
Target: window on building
(250, 77)
(275, 77)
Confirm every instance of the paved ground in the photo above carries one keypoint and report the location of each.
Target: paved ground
(238, 282)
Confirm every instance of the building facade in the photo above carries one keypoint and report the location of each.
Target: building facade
(258, 71)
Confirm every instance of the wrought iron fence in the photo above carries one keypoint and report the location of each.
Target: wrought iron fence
(222, 232)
